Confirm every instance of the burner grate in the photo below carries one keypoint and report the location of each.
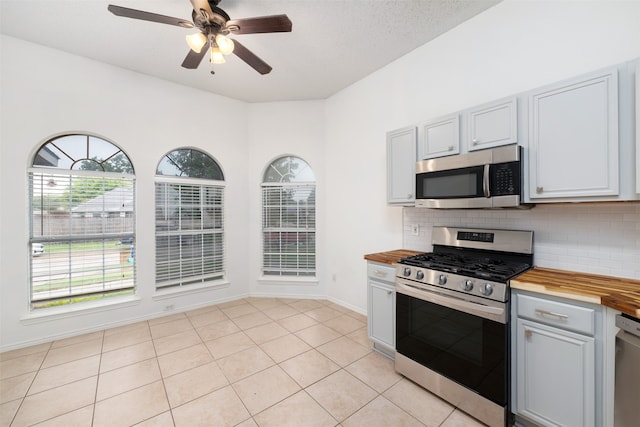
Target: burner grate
(481, 266)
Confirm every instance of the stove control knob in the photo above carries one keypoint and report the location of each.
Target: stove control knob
(420, 275)
(406, 271)
(486, 289)
(467, 285)
(442, 279)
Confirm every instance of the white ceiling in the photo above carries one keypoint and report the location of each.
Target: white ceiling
(334, 43)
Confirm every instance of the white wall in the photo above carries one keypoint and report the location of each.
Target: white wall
(276, 130)
(510, 48)
(597, 238)
(46, 92)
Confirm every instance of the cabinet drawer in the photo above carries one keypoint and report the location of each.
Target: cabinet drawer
(561, 315)
(386, 273)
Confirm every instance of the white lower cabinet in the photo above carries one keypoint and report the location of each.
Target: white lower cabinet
(381, 310)
(555, 375)
(557, 362)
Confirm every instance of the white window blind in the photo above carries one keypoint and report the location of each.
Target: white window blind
(189, 233)
(288, 229)
(81, 235)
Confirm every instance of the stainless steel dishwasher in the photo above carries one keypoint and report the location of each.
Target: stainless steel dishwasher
(627, 380)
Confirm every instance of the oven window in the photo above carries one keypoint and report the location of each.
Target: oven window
(458, 183)
(467, 349)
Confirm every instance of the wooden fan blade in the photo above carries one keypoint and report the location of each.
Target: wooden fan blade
(250, 58)
(202, 5)
(148, 16)
(193, 59)
(260, 24)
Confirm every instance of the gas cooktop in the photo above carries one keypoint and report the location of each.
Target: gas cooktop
(480, 266)
(476, 262)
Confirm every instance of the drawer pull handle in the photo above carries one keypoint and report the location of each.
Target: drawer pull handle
(551, 313)
(389, 292)
(380, 273)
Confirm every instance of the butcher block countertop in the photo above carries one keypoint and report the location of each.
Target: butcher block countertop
(390, 257)
(615, 292)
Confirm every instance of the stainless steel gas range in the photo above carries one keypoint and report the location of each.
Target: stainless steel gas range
(452, 317)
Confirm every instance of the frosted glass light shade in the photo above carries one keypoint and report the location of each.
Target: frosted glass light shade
(196, 41)
(216, 56)
(225, 44)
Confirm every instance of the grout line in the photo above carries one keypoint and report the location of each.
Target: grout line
(307, 306)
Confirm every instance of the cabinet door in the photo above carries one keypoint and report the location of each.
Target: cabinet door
(555, 375)
(493, 124)
(440, 137)
(382, 313)
(573, 140)
(638, 127)
(401, 166)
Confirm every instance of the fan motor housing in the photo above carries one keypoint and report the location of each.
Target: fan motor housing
(204, 22)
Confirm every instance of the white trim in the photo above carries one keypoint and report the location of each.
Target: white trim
(182, 180)
(289, 184)
(347, 306)
(48, 314)
(80, 172)
(292, 280)
(163, 293)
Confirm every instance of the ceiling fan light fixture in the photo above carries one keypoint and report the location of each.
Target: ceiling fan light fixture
(225, 44)
(196, 41)
(216, 55)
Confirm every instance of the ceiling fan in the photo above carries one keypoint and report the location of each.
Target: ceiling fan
(215, 25)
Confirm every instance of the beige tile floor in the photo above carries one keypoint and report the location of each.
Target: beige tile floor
(251, 362)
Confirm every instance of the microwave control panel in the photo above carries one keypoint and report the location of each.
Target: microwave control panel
(505, 179)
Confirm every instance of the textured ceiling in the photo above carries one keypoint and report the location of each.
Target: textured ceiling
(334, 43)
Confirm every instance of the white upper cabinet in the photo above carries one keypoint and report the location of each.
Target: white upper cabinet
(638, 127)
(440, 137)
(492, 124)
(401, 166)
(573, 139)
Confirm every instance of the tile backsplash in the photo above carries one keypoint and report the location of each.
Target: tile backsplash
(598, 238)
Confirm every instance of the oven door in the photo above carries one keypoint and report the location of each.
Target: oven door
(463, 338)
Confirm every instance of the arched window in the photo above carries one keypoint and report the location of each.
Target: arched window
(189, 219)
(82, 209)
(289, 218)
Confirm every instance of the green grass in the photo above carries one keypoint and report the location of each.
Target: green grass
(80, 299)
(94, 279)
(52, 248)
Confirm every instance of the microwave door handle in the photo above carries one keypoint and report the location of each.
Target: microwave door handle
(485, 181)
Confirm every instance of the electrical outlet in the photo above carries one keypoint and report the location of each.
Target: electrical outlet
(415, 229)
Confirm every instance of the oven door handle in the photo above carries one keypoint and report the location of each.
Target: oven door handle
(492, 313)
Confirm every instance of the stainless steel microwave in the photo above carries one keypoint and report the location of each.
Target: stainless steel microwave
(490, 178)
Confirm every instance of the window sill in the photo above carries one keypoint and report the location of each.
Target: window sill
(163, 294)
(278, 280)
(63, 312)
